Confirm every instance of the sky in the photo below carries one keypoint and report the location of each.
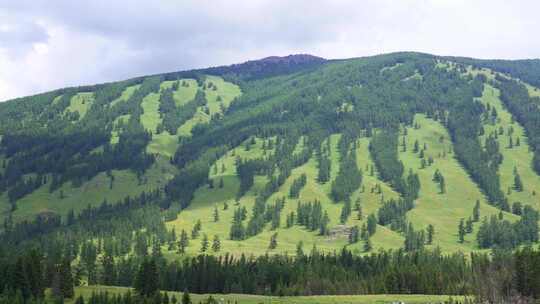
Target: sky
(49, 44)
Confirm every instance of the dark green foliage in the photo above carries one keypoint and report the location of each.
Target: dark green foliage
(147, 279)
(297, 186)
(497, 232)
(476, 211)
(349, 176)
(430, 232)
(173, 116)
(414, 240)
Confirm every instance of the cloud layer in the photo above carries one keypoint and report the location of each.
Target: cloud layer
(45, 46)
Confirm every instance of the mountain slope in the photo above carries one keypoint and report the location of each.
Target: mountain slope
(281, 152)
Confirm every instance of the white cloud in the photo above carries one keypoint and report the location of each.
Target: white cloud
(44, 46)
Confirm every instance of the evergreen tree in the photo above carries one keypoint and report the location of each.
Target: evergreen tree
(147, 279)
(196, 229)
(371, 224)
(354, 235)
(216, 244)
(216, 214)
(461, 231)
(430, 233)
(273, 241)
(300, 249)
(183, 243)
(476, 211)
(469, 225)
(518, 184)
(186, 298)
(367, 243)
(204, 243)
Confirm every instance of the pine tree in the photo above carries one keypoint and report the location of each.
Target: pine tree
(196, 229)
(323, 230)
(461, 231)
(186, 299)
(442, 184)
(476, 211)
(518, 185)
(367, 244)
(469, 225)
(371, 224)
(216, 244)
(430, 233)
(147, 279)
(300, 249)
(216, 214)
(204, 243)
(273, 241)
(183, 243)
(354, 235)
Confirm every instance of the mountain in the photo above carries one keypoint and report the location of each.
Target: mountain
(402, 150)
(289, 175)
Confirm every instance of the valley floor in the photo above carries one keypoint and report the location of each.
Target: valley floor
(256, 299)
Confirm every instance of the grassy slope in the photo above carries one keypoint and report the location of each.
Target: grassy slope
(228, 91)
(256, 299)
(81, 102)
(370, 200)
(162, 143)
(92, 192)
(125, 96)
(519, 157)
(443, 211)
(183, 94)
(205, 199)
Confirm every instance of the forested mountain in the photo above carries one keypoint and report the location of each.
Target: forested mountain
(428, 156)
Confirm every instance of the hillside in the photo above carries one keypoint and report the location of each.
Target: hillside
(279, 155)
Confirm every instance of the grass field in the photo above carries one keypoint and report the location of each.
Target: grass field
(126, 94)
(206, 199)
(225, 90)
(81, 102)
(256, 299)
(443, 211)
(92, 192)
(518, 157)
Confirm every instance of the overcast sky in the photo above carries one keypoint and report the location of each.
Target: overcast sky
(48, 44)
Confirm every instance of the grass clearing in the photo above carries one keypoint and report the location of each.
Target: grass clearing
(80, 103)
(86, 292)
(226, 91)
(184, 93)
(126, 94)
(443, 211)
(92, 192)
(518, 157)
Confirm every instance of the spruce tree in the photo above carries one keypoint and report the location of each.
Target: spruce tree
(216, 244)
(518, 184)
(273, 241)
(461, 231)
(204, 243)
(216, 214)
(430, 233)
(469, 225)
(186, 298)
(371, 224)
(367, 244)
(476, 211)
(183, 243)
